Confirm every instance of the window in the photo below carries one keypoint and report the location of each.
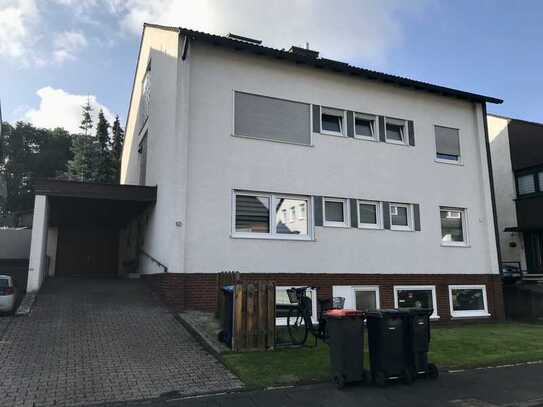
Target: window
(146, 93)
(332, 121)
(364, 126)
(369, 214)
(453, 226)
(401, 216)
(363, 298)
(468, 300)
(282, 304)
(416, 297)
(526, 184)
(142, 151)
(267, 215)
(395, 131)
(335, 212)
(447, 144)
(267, 118)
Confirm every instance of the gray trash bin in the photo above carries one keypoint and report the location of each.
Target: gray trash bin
(345, 333)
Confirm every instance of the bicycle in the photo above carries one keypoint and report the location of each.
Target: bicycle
(299, 322)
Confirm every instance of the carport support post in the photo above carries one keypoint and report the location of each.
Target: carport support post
(38, 245)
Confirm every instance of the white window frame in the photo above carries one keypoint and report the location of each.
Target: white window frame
(398, 122)
(346, 213)
(464, 216)
(374, 288)
(432, 288)
(410, 220)
(272, 234)
(459, 160)
(374, 126)
(282, 321)
(334, 112)
(467, 314)
(378, 214)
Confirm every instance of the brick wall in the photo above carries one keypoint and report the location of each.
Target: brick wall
(198, 291)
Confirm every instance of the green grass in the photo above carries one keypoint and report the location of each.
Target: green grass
(455, 348)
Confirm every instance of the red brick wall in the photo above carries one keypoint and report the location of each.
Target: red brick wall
(198, 291)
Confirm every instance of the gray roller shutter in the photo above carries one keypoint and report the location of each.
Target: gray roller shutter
(316, 119)
(350, 124)
(271, 119)
(317, 209)
(411, 132)
(416, 215)
(382, 134)
(354, 212)
(386, 215)
(447, 141)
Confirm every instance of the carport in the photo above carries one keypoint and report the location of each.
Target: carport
(84, 228)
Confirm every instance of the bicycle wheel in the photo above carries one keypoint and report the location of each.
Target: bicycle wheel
(297, 328)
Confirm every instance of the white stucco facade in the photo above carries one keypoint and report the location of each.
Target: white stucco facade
(197, 163)
(511, 243)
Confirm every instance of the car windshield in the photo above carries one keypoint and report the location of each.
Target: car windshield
(4, 282)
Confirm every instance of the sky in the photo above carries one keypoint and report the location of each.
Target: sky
(57, 54)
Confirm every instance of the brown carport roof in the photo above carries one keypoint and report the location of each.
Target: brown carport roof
(74, 203)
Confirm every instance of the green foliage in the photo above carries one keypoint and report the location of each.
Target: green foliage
(28, 153)
(85, 155)
(117, 146)
(105, 171)
(86, 119)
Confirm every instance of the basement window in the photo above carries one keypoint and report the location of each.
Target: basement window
(468, 301)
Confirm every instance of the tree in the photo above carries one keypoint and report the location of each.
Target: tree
(86, 121)
(117, 146)
(105, 171)
(85, 155)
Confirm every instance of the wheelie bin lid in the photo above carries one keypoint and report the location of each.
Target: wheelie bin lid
(343, 313)
(385, 313)
(228, 288)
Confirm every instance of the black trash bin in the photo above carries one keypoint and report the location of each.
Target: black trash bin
(345, 333)
(417, 342)
(228, 318)
(387, 345)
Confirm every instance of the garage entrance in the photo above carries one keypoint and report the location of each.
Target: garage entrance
(77, 227)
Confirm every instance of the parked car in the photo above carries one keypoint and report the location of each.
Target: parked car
(8, 294)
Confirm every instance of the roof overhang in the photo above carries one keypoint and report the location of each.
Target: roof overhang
(73, 203)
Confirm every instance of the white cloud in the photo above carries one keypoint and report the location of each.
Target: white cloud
(18, 19)
(344, 29)
(61, 109)
(67, 45)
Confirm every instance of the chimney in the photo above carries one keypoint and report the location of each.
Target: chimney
(304, 52)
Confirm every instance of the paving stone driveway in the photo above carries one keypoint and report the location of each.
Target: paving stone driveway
(96, 340)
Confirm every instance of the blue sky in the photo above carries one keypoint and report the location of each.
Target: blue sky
(53, 53)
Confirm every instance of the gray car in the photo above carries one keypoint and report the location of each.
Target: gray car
(7, 294)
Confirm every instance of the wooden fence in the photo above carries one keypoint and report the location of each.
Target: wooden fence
(253, 313)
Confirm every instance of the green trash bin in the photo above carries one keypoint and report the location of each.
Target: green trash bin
(345, 333)
(388, 346)
(417, 342)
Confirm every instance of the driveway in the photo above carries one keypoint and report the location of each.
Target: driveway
(98, 340)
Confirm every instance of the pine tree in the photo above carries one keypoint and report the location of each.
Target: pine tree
(117, 146)
(86, 121)
(105, 171)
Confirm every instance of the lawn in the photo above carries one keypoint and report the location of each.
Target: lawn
(453, 348)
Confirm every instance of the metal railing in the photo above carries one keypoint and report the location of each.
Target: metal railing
(164, 267)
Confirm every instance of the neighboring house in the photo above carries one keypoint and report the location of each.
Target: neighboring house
(517, 157)
(291, 168)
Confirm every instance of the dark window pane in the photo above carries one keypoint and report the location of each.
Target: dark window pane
(394, 132)
(4, 282)
(333, 211)
(468, 299)
(366, 300)
(398, 216)
(331, 123)
(252, 214)
(526, 184)
(368, 213)
(451, 226)
(415, 299)
(290, 224)
(447, 142)
(363, 127)
(447, 157)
